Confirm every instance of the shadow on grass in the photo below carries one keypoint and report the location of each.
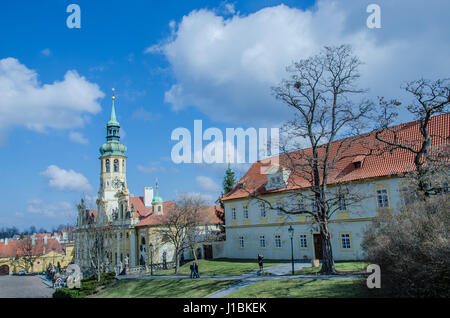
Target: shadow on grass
(306, 288)
(163, 288)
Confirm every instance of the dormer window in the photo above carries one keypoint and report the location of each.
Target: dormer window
(277, 177)
(358, 161)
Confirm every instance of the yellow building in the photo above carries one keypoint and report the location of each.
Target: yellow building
(33, 254)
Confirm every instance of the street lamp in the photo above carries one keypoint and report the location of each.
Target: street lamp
(291, 233)
(150, 246)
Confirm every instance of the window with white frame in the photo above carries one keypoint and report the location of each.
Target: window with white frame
(245, 208)
(233, 213)
(301, 205)
(278, 241)
(278, 207)
(342, 203)
(382, 198)
(262, 241)
(303, 241)
(241, 242)
(276, 180)
(262, 209)
(314, 206)
(407, 195)
(346, 242)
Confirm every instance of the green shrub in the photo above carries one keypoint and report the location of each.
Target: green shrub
(66, 292)
(412, 249)
(89, 286)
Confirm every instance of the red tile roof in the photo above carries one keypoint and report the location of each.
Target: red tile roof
(141, 210)
(382, 164)
(154, 219)
(17, 247)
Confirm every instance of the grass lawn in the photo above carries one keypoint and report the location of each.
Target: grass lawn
(342, 267)
(162, 288)
(305, 288)
(222, 267)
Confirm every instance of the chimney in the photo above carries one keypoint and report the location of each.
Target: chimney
(45, 240)
(6, 241)
(33, 240)
(148, 196)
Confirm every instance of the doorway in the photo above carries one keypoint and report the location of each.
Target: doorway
(4, 270)
(318, 252)
(208, 251)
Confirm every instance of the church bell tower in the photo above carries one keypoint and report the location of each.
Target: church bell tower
(113, 193)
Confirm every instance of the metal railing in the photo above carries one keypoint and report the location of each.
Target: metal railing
(146, 269)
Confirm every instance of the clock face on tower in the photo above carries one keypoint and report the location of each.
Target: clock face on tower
(116, 184)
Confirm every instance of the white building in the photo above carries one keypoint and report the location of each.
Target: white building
(252, 228)
(129, 225)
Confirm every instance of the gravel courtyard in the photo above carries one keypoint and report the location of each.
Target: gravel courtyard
(24, 287)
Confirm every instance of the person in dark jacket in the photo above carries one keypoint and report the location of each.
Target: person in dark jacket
(192, 270)
(196, 275)
(260, 262)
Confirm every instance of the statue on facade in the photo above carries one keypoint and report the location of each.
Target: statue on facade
(115, 214)
(143, 258)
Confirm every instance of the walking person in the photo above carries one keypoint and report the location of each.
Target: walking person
(260, 262)
(192, 270)
(196, 270)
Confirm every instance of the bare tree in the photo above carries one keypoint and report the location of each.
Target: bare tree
(185, 224)
(430, 98)
(321, 90)
(28, 252)
(97, 252)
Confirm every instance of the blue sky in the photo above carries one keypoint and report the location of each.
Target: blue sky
(171, 62)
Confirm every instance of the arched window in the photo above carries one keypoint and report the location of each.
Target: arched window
(116, 165)
(143, 241)
(107, 165)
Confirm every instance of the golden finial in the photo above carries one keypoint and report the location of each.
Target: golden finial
(113, 97)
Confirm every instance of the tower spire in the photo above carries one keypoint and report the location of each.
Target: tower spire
(113, 109)
(113, 126)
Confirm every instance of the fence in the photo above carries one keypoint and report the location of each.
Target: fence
(145, 270)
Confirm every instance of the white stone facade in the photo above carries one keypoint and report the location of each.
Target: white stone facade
(246, 237)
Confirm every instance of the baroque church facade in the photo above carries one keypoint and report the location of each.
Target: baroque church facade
(128, 224)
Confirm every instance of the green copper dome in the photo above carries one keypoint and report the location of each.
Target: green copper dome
(113, 148)
(113, 145)
(157, 199)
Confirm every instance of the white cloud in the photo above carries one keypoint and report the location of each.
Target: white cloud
(78, 137)
(207, 184)
(46, 52)
(226, 66)
(28, 103)
(229, 8)
(208, 198)
(90, 201)
(66, 179)
(152, 167)
(37, 206)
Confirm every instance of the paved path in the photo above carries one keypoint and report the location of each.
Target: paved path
(277, 272)
(24, 287)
